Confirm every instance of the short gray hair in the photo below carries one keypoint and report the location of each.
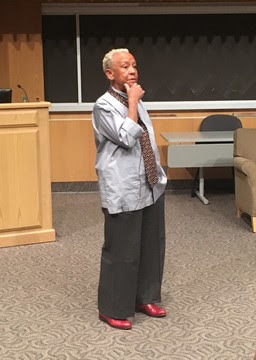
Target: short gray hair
(108, 58)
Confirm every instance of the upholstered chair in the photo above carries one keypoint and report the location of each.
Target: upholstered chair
(245, 173)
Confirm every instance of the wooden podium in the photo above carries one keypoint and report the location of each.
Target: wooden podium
(25, 184)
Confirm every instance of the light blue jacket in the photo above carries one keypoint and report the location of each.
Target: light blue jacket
(119, 163)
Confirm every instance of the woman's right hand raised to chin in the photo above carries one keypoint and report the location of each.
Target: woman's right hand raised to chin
(134, 92)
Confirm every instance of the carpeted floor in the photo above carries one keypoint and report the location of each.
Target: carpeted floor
(48, 292)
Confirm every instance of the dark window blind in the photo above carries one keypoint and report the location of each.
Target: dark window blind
(60, 59)
(180, 57)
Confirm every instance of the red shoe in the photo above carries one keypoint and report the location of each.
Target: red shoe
(151, 310)
(121, 324)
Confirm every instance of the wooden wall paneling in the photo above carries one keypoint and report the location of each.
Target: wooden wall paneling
(4, 62)
(26, 67)
(248, 118)
(20, 29)
(73, 150)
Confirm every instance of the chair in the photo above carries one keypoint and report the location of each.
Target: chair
(245, 173)
(220, 122)
(215, 122)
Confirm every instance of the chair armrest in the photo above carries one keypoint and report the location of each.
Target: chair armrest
(244, 143)
(247, 167)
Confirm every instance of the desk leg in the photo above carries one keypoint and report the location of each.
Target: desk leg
(200, 193)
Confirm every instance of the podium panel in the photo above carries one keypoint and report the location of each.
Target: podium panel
(19, 179)
(25, 185)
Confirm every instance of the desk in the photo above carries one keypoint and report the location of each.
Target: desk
(212, 151)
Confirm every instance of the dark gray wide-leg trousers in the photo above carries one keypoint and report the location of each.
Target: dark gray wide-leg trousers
(132, 260)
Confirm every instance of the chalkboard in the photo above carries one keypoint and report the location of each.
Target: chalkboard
(188, 57)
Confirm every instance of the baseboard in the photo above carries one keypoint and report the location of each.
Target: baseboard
(174, 185)
(75, 186)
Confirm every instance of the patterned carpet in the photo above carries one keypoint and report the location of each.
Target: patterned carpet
(48, 292)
